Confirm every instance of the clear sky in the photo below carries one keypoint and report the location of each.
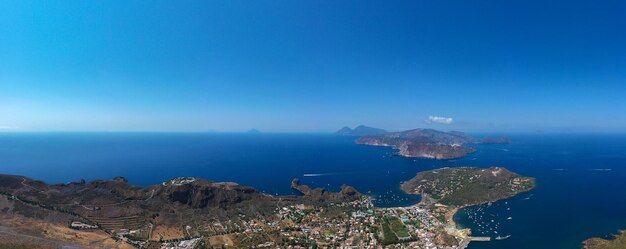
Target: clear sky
(312, 65)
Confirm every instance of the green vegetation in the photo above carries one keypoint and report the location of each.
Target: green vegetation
(467, 185)
(397, 227)
(334, 212)
(388, 236)
(394, 231)
(414, 222)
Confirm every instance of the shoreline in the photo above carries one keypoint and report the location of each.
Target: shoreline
(453, 227)
(450, 226)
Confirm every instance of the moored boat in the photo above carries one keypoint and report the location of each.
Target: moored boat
(503, 238)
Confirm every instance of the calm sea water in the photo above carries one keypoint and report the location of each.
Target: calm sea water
(581, 178)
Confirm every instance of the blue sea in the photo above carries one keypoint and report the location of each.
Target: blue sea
(581, 179)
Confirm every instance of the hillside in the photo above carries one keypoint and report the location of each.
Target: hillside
(176, 209)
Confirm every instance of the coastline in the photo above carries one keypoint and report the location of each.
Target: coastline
(454, 228)
(467, 232)
(433, 212)
(617, 240)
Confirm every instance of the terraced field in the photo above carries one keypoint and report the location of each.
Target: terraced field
(394, 230)
(117, 223)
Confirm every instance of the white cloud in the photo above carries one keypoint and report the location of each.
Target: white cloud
(439, 120)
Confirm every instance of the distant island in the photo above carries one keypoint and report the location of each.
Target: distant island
(617, 242)
(360, 130)
(253, 131)
(495, 140)
(428, 143)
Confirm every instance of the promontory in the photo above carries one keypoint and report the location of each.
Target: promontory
(466, 186)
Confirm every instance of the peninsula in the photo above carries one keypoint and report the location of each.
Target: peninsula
(446, 190)
(467, 186)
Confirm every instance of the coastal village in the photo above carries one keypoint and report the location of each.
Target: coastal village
(355, 224)
(418, 226)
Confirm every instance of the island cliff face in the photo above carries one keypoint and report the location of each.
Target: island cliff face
(428, 143)
(423, 143)
(211, 195)
(463, 186)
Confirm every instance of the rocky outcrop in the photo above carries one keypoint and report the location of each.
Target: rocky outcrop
(347, 193)
(210, 195)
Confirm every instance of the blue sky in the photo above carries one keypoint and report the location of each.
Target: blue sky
(312, 65)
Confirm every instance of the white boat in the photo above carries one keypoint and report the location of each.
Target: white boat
(502, 238)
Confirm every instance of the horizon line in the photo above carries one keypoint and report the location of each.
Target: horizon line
(301, 132)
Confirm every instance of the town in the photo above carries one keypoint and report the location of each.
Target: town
(355, 224)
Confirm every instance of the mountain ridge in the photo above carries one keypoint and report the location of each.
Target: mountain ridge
(360, 130)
